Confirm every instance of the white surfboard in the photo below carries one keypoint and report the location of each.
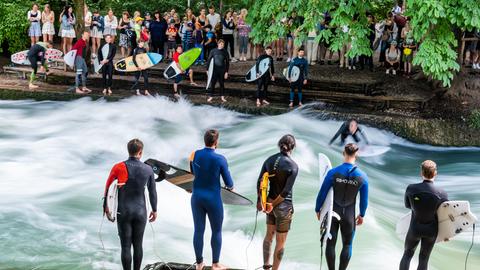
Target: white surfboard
(112, 201)
(454, 217)
(294, 75)
(69, 58)
(372, 150)
(96, 63)
(21, 58)
(172, 71)
(210, 73)
(253, 74)
(326, 211)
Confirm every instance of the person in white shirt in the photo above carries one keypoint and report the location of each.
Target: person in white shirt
(87, 15)
(34, 17)
(111, 24)
(213, 18)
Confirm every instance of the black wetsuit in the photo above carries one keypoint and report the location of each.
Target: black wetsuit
(424, 199)
(265, 80)
(139, 73)
(221, 66)
(36, 54)
(283, 171)
(107, 69)
(344, 131)
(133, 176)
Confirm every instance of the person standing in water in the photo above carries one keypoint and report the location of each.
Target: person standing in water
(220, 69)
(302, 64)
(423, 199)
(37, 54)
(207, 167)
(264, 81)
(349, 128)
(282, 172)
(133, 177)
(347, 180)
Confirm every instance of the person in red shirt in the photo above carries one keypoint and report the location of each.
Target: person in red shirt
(179, 77)
(80, 64)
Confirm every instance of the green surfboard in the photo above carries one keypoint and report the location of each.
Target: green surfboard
(189, 57)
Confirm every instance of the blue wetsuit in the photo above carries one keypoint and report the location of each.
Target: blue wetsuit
(207, 166)
(302, 64)
(347, 181)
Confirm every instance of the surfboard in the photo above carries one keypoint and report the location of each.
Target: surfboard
(96, 63)
(21, 58)
(69, 58)
(253, 74)
(189, 57)
(372, 150)
(112, 201)
(454, 217)
(184, 179)
(172, 71)
(210, 73)
(294, 75)
(144, 61)
(264, 185)
(326, 211)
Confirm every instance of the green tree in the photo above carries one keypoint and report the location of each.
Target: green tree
(13, 18)
(433, 22)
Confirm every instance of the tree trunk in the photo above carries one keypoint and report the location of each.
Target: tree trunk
(78, 7)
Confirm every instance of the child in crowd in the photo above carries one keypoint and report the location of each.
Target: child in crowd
(211, 40)
(179, 77)
(171, 39)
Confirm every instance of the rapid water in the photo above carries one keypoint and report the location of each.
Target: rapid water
(56, 157)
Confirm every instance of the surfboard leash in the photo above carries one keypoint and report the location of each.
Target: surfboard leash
(251, 238)
(471, 246)
(155, 248)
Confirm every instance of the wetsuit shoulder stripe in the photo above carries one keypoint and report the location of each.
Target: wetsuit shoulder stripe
(192, 156)
(119, 172)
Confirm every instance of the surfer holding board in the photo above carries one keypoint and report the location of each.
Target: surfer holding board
(423, 199)
(37, 54)
(264, 78)
(131, 179)
(277, 176)
(219, 70)
(346, 181)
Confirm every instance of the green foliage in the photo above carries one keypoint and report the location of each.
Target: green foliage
(14, 24)
(474, 119)
(432, 22)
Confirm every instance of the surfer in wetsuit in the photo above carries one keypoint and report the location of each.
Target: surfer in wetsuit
(107, 62)
(302, 64)
(347, 180)
(423, 199)
(282, 171)
(267, 77)
(208, 166)
(349, 128)
(221, 65)
(140, 72)
(132, 176)
(37, 54)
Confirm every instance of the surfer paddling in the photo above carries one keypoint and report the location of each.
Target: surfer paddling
(207, 167)
(423, 199)
(347, 180)
(132, 177)
(278, 176)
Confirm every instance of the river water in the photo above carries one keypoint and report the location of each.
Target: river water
(56, 157)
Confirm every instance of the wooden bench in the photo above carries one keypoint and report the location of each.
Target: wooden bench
(24, 72)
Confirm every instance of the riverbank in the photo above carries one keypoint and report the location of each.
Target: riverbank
(408, 108)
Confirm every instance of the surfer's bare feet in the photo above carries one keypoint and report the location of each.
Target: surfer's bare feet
(300, 104)
(258, 103)
(218, 266)
(290, 105)
(200, 266)
(137, 92)
(79, 91)
(86, 90)
(32, 86)
(223, 99)
(104, 92)
(209, 100)
(266, 102)
(110, 92)
(193, 83)
(147, 93)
